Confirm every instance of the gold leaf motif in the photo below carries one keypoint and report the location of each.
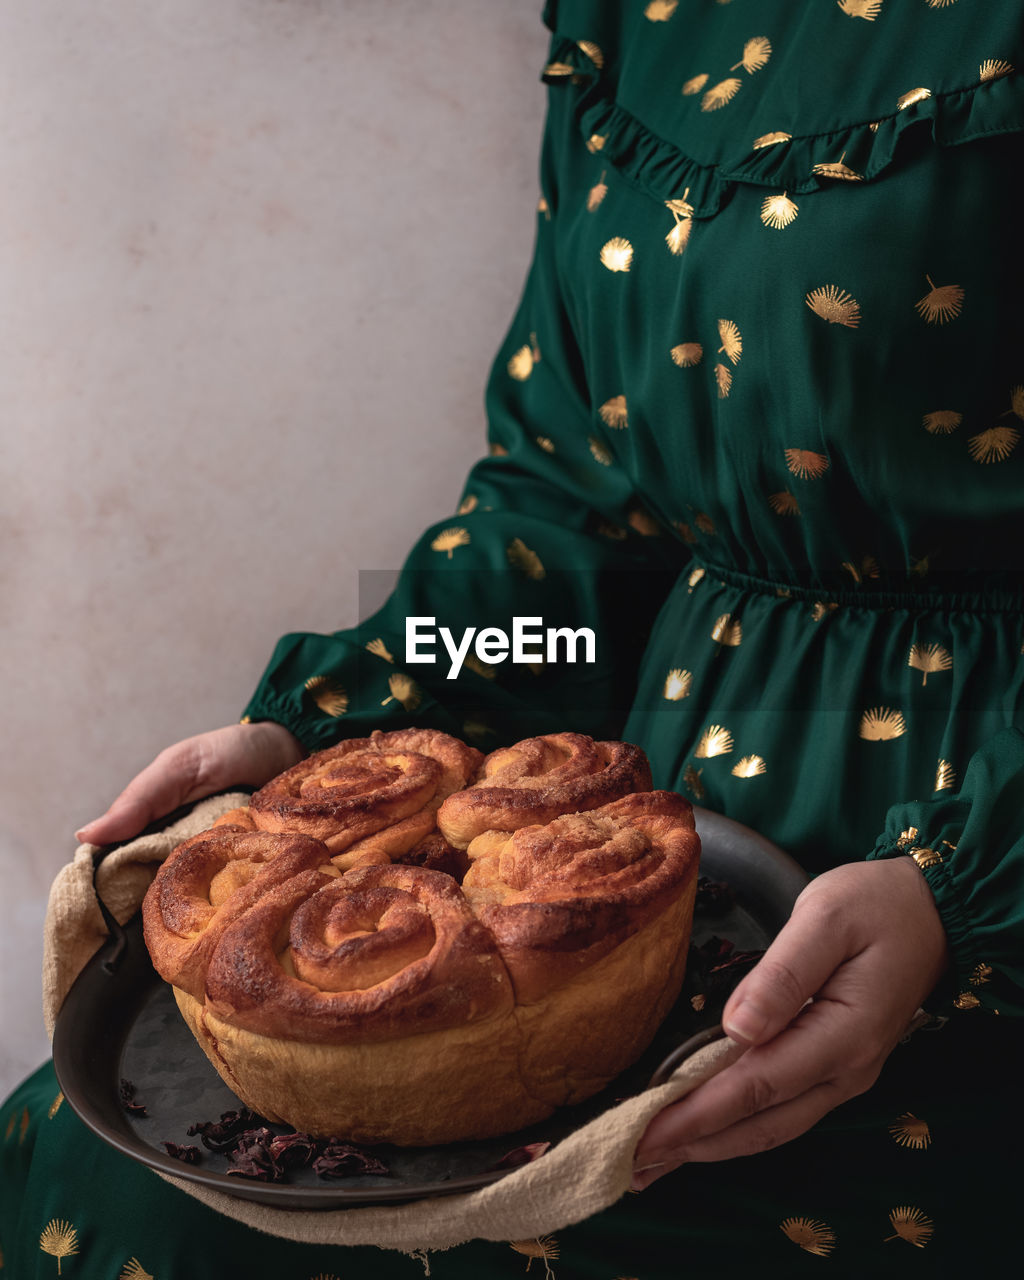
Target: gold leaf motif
(601, 453)
(596, 143)
(732, 342)
(521, 364)
(784, 504)
(929, 658)
(689, 537)
(907, 838)
(614, 413)
(980, 974)
(909, 1131)
(404, 690)
(778, 211)
(597, 193)
(868, 569)
(834, 305)
(925, 857)
(477, 729)
(679, 237)
(723, 380)
(644, 523)
(695, 84)
(134, 1270)
(695, 576)
(687, 354)
(994, 69)
(557, 72)
(544, 1247)
(692, 782)
(822, 610)
(660, 10)
(380, 650)
(329, 696)
(245, 720)
(945, 776)
(497, 450)
(749, 767)
(914, 95)
(911, 1225)
(480, 667)
(806, 464)
(939, 4)
(467, 504)
(23, 1126)
(714, 741)
(966, 1001)
(59, 1239)
(543, 207)
(811, 1235)
(697, 1002)
(448, 539)
(704, 522)
(942, 422)
(12, 1120)
(882, 724)
(727, 630)
(521, 557)
(55, 1105)
(770, 139)
(617, 254)
(942, 303)
(546, 443)
(866, 9)
(677, 684)
(592, 51)
(721, 93)
(994, 445)
(837, 170)
(1017, 402)
(756, 53)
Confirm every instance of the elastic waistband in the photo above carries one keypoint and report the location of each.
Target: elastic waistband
(953, 592)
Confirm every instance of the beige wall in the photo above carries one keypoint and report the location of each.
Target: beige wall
(255, 256)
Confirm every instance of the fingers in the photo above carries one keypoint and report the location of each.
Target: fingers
(808, 949)
(172, 779)
(755, 1133)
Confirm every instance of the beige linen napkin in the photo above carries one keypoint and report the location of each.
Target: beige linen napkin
(583, 1174)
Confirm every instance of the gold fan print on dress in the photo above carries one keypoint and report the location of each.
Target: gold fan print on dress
(882, 724)
(838, 170)
(834, 305)
(994, 445)
(615, 413)
(929, 658)
(942, 422)
(756, 53)
(328, 695)
(866, 9)
(617, 254)
(521, 557)
(404, 690)
(806, 464)
(677, 684)
(695, 84)
(718, 95)
(811, 1235)
(448, 539)
(941, 304)
(687, 354)
(778, 211)
(679, 237)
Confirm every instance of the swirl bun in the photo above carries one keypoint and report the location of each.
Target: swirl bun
(389, 1003)
(538, 780)
(369, 800)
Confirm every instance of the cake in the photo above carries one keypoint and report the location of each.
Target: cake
(402, 940)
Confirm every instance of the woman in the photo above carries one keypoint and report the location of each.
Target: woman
(757, 425)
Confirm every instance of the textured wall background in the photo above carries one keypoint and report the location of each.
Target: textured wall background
(255, 258)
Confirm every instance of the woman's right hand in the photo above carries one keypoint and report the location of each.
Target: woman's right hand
(237, 755)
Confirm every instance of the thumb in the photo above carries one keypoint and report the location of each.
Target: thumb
(794, 968)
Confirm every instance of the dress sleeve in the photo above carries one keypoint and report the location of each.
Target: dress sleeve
(550, 529)
(970, 848)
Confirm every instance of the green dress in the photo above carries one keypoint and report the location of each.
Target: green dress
(757, 424)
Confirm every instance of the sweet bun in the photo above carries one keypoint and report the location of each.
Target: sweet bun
(392, 1003)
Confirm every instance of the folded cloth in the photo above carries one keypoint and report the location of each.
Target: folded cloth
(583, 1174)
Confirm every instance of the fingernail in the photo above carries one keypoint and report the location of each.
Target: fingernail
(745, 1024)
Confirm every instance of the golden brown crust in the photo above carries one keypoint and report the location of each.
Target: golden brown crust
(558, 898)
(380, 953)
(207, 883)
(540, 779)
(362, 788)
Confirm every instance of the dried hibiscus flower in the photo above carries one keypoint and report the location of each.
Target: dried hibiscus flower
(223, 1135)
(188, 1155)
(339, 1160)
(126, 1096)
(520, 1156)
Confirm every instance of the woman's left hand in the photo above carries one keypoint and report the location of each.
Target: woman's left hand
(822, 1010)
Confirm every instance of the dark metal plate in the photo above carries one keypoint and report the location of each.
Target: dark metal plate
(120, 1021)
